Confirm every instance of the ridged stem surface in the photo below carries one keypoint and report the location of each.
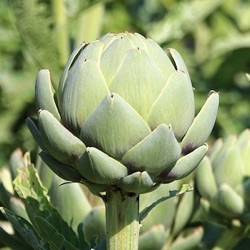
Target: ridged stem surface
(122, 220)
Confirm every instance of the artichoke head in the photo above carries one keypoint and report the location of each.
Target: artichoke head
(122, 116)
(223, 179)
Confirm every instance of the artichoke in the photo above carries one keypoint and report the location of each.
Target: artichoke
(223, 180)
(122, 116)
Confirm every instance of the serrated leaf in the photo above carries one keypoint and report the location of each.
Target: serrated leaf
(13, 241)
(28, 184)
(26, 230)
(52, 236)
(29, 187)
(36, 209)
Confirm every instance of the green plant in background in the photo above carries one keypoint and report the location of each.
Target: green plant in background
(123, 124)
(225, 190)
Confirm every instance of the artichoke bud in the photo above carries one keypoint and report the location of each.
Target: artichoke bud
(124, 116)
(223, 178)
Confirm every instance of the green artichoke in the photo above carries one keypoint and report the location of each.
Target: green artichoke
(223, 179)
(122, 116)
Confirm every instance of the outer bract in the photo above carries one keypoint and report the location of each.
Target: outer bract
(122, 116)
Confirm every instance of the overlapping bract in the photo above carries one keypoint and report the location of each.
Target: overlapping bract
(223, 178)
(123, 116)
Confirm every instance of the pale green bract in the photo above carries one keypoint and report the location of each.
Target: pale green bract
(122, 116)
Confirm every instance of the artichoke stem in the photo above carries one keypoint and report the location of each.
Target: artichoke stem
(122, 220)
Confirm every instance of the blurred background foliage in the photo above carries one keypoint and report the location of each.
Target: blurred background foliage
(212, 36)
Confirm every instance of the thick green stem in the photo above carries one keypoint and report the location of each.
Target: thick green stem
(122, 220)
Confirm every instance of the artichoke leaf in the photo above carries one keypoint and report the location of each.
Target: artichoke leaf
(59, 141)
(77, 102)
(45, 94)
(114, 127)
(184, 166)
(33, 128)
(174, 105)
(138, 183)
(203, 123)
(67, 67)
(155, 153)
(107, 39)
(113, 56)
(92, 51)
(179, 62)
(64, 171)
(138, 81)
(136, 39)
(97, 167)
(159, 57)
(94, 188)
